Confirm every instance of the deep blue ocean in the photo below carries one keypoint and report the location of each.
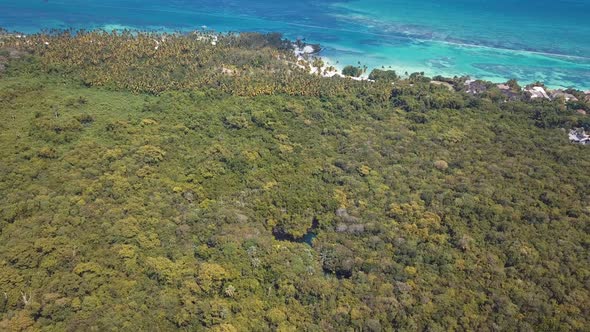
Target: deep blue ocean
(546, 41)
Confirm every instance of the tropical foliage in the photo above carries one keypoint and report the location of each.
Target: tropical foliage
(198, 186)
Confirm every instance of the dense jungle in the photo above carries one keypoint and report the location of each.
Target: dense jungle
(153, 182)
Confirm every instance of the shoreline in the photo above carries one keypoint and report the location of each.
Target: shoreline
(465, 83)
(432, 71)
(307, 54)
(366, 32)
(332, 69)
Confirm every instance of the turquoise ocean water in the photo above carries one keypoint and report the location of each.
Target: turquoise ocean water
(529, 40)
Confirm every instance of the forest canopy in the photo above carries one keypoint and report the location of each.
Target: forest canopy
(163, 181)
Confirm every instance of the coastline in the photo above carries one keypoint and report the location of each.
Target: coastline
(332, 68)
(427, 39)
(564, 75)
(308, 54)
(510, 89)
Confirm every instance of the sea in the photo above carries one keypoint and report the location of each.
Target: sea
(530, 40)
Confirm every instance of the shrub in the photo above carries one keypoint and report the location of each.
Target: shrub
(85, 119)
(155, 107)
(47, 153)
(352, 71)
(441, 165)
(383, 75)
(237, 121)
(151, 154)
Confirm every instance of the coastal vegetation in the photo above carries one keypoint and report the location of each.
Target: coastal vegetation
(383, 75)
(352, 71)
(208, 182)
